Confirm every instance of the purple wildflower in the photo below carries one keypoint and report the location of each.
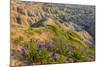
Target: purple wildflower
(23, 51)
(54, 56)
(39, 46)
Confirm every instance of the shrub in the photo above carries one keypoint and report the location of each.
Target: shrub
(90, 51)
(20, 38)
(61, 59)
(34, 53)
(12, 33)
(79, 55)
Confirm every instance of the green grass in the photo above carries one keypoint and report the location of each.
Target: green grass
(60, 39)
(20, 39)
(91, 51)
(73, 34)
(12, 33)
(30, 31)
(40, 56)
(67, 36)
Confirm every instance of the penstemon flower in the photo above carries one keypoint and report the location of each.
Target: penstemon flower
(39, 46)
(23, 51)
(54, 56)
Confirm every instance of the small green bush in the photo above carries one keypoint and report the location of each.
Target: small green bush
(34, 54)
(30, 31)
(20, 39)
(78, 54)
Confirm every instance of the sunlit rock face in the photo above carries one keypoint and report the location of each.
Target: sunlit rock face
(81, 16)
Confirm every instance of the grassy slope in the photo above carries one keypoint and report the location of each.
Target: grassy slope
(60, 37)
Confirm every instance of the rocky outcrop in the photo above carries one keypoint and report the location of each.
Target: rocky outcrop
(82, 17)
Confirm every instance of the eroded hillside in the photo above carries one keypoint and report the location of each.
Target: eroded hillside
(44, 33)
